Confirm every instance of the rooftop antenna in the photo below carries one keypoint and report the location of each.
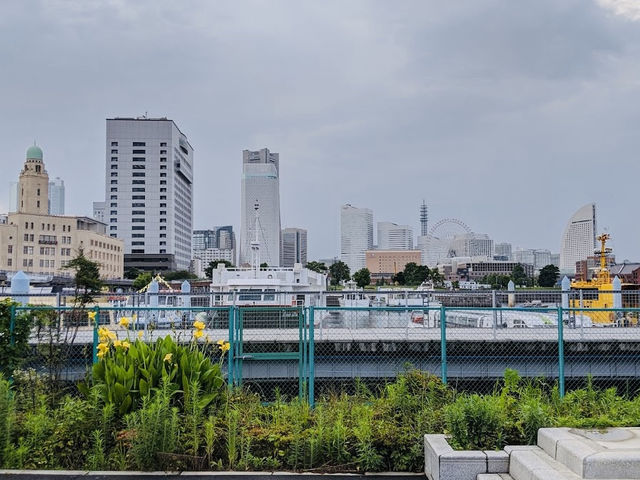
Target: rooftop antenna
(255, 244)
(424, 218)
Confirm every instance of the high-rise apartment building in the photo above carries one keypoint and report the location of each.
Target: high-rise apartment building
(356, 236)
(294, 247)
(260, 204)
(218, 243)
(56, 196)
(503, 251)
(472, 245)
(579, 238)
(38, 243)
(149, 192)
(392, 236)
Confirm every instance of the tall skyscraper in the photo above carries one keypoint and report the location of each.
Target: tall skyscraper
(392, 236)
(471, 245)
(503, 251)
(56, 196)
(579, 238)
(149, 192)
(294, 247)
(260, 198)
(356, 235)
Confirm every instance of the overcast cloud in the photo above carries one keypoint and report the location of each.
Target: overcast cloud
(506, 115)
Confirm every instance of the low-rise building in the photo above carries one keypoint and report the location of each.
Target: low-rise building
(386, 263)
(35, 242)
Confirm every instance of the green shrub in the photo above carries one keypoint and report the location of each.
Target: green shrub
(129, 372)
(14, 346)
(6, 418)
(475, 422)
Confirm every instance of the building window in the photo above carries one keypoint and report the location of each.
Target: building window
(113, 227)
(163, 182)
(139, 144)
(163, 220)
(114, 182)
(137, 250)
(138, 220)
(163, 152)
(137, 189)
(137, 235)
(113, 212)
(163, 227)
(137, 212)
(163, 167)
(137, 197)
(137, 227)
(139, 152)
(163, 174)
(163, 212)
(114, 197)
(138, 205)
(138, 159)
(26, 238)
(163, 243)
(163, 144)
(163, 235)
(114, 159)
(114, 166)
(137, 244)
(9, 262)
(113, 152)
(138, 167)
(139, 174)
(137, 182)
(114, 174)
(114, 144)
(113, 220)
(9, 248)
(114, 189)
(114, 204)
(162, 250)
(163, 159)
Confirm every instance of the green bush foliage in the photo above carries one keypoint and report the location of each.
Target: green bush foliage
(373, 429)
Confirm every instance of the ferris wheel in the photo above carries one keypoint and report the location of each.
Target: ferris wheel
(439, 240)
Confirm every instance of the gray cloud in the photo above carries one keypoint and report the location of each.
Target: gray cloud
(499, 113)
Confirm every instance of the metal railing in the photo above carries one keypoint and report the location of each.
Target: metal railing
(306, 350)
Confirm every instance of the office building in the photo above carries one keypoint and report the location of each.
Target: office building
(578, 239)
(386, 263)
(38, 243)
(56, 196)
(260, 206)
(392, 236)
(219, 243)
(149, 192)
(356, 236)
(471, 245)
(502, 251)
(294, 247)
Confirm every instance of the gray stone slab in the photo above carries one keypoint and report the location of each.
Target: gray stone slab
(572, 453)
(497, 461)
(617, 464)
(435, 445)
(489, 476)
(549, 437)
(462, 465)
(537, 465)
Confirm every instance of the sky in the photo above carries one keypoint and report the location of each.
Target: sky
(508, 116)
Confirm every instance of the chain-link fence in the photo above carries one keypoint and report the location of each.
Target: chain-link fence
(468, 340)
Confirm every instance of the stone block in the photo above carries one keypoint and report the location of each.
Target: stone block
(549, 437)
(462, 465)
(612, 464)
(572, 453)
(497, 461)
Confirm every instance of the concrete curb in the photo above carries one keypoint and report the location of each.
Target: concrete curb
(130, 475)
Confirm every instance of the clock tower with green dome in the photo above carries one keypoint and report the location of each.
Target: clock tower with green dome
(33, 186)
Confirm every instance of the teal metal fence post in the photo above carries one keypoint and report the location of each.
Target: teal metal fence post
(443, 344)
(560, 352)
(96, 339)
(312, 371)
(232, 349)
(302, 355)
(12, 326)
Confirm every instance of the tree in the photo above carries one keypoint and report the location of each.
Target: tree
(497, 282)
(548, 276)
(518, 275)
(339, 271)
(142, 280)
(131, 273)
(399, 278)
(319, 267)
(208, 271)
(362, 277)
(415, 274)
(87, 278)
(179, 275)
(436, 277)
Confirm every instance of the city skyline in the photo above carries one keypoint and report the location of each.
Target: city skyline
(407, 103)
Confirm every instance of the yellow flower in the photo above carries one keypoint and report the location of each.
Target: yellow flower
(220, 342)
(92, 316)
(117, 343)
(197, 334)
(104, 334)
(126, 345)
(134, 317)
(140, 333)
(124, 322)
(167, 357)
(198, 325)
(225, 347)
(103, 349)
